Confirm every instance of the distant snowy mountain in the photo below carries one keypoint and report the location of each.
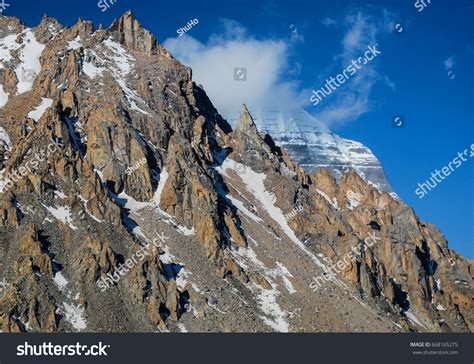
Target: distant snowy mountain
(313, 145)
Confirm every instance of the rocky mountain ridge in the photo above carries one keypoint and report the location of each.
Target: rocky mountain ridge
(79, 106)
(313, 145)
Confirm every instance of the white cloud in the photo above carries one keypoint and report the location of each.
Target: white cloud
(269, 68)
(213, 66)
(361, 32)
(352, 99)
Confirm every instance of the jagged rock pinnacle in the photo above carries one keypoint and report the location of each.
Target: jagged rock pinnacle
(245, 123)
(131, 33)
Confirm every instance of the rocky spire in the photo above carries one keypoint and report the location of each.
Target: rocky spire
(245, 124)
(133, 35)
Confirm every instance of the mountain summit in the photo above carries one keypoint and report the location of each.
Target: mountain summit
(313, 145)
(129, 204)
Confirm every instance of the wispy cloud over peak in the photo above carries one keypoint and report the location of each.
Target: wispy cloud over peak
(266, 62)
(362, 28)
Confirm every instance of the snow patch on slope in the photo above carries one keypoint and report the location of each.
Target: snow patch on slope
(440, 307)
(240, 206)
(255, 184)
(267, 297)
(60, 281)
(75, 43)
(38, 112)
(3, 97)
(30, 65)
(84, 201)
(161, 186)
(237, 203)
(333, 203)
(74, 314)
(354, 199)
(413, 318)
(62, 213)
(29, 52)
(89, 66)
(123, 61)
(271, 307)
(285, 273)
(134, 206)
(182, 275)
(7, 44)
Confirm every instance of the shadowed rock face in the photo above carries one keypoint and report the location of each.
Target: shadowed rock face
(213, 229)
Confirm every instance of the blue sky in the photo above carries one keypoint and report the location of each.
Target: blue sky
(304, 42)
